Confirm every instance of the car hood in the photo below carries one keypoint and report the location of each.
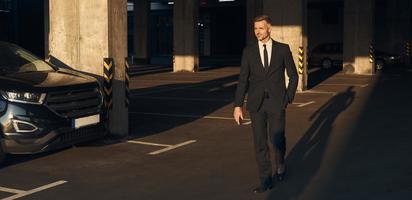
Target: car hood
(44, 81)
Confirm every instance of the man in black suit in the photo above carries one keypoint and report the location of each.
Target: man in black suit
(262, 75)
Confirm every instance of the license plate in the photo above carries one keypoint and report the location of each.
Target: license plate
(86, 121)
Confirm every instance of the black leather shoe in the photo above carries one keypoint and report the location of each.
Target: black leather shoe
(281, 177)
(262, 189)
(266, 185)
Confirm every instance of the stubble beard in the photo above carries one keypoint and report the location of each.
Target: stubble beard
(264, 39)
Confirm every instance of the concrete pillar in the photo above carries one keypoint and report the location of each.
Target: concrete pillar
(398, 20)
(46, 28)
(82, 33)
(289, 26)
(140, 31)
(185, 36)
(358, 36)
(253, 9)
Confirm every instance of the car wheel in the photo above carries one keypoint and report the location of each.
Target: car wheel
(379, 64)
(327, 63)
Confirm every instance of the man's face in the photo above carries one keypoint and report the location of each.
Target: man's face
(262, 30)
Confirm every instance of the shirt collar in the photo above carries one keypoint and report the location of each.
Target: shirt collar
(268, 43)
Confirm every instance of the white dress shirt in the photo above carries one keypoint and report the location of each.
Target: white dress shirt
(268, 48)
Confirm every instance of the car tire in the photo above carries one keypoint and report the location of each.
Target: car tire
(379, 64)
(327, 63)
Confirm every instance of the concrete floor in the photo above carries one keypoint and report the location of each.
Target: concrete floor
(348, 137)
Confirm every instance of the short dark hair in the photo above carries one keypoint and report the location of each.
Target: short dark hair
(263, 18)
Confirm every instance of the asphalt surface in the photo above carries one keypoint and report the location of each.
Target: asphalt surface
(348, 137)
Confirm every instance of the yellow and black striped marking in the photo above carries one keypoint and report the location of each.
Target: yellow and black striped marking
(108, 79)
(300, 64)
(408, 49)
(371, 54)
(126, 80)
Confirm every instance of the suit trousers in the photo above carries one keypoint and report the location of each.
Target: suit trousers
(268, 124)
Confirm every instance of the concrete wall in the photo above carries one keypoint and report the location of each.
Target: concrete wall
(140, 30)
(82, 33)
(319, 32)
(358, 36)
(76, 38)
(253, 9)
(392, 25)
(288, 26)
(185, 37)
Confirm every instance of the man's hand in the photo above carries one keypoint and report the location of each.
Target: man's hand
(238, 115)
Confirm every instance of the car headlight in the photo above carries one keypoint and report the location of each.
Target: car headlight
(24, 97)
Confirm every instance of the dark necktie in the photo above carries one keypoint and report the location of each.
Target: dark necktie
(265, 57)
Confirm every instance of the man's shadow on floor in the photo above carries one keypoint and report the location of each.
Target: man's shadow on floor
(305, 158)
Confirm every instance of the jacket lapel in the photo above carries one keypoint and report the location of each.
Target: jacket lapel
(258, 61)
(273, 61)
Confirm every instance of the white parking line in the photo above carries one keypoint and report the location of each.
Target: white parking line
(247, 123)
(150, 71)
(230, 84)
(148, 143)
(172, 89)
(168, 147)
(11, 190)
(22, 193)
(138, 68)
(184, 99)
(187, 116)
(172, 147)
(195, 99)
(344, 84)
(316, 92)
(176, 81)
(313, 70)
(223, 86)
(305, 104)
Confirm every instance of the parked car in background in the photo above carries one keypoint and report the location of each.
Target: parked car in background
(384, 58)
(43, 107)
(326, 55)
(330, 55)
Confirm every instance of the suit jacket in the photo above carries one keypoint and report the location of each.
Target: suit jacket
(255, 80)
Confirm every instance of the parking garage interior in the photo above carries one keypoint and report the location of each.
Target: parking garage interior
(348, 134)
(23, 22)
(221, 28)
(159, 35)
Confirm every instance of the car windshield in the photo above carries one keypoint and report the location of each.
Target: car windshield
(14, 59)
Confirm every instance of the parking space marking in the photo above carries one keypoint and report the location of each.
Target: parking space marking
(247, 123)
(223, 86)
(314, 70)
(300, 105)
(22, 193)
(187, 116)
(177, 81)
(202, 99)
(344, 84)
(172, 89)
(230, 84)
(168, 147)
(148, 143)
(145, 71)
(172, 147)
(11, 190)
(184, 99)
(316, 92)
